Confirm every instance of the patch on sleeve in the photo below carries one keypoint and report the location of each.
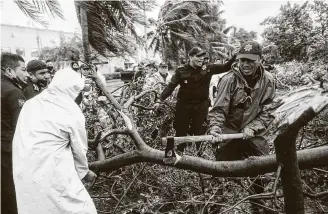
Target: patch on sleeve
(21, 102)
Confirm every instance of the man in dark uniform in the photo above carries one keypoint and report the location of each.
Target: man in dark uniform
(13, 79)
(38, 80)
(193, 96)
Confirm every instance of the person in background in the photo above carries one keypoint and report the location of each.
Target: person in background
(193, 95)
(38, 79)
(49, 151)
(150, 68)
(51, 69)
(158, 79)
(241, 105)
(13, 80)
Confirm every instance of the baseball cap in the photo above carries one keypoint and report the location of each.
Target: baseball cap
(35, 65)
(196, 51)
(250, 50)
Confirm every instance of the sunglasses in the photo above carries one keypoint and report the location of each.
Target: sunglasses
(164, 66)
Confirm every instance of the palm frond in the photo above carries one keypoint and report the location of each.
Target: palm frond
(221, 54)
(37, 8)
(223, 45)
(227, 30)
(184, 36)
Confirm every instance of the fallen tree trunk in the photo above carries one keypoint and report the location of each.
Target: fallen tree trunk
(291, 112)
(253, 166)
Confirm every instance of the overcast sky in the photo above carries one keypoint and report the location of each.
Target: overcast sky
(240, 13)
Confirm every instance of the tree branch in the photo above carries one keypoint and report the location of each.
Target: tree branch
(115, 131)
(253, 166)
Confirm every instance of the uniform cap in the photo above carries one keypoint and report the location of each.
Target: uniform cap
(196, 51)
(250, 50)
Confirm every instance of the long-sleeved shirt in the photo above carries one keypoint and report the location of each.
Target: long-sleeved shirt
(238, 105)
(194, 82)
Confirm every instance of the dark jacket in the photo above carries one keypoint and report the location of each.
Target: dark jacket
(194, 82)
(31, 90)
(238, 105)
(12, 100)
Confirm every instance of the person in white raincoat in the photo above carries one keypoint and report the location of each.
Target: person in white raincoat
(49, 151)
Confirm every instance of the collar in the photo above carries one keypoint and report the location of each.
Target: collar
(194, 68)
(15, 81)
(164, 75)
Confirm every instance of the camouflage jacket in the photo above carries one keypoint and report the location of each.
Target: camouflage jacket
(238, 106)
(155, 81)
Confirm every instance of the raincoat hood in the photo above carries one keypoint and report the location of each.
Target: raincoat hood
(67, 83)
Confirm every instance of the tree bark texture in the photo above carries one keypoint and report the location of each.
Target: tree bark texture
(85, 35)
(253, 166)
(285, 146)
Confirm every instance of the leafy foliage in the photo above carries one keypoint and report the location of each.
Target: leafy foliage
(67, 49)
(299, 32)
(35, 8)
(184, 24)
(112, 24)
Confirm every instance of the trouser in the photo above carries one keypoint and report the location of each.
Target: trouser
(190, 119)
(240, 149)
(8, 196)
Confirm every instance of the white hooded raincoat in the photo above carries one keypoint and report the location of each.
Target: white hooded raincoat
(49, 151)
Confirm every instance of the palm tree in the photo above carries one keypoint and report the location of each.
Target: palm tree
(178, 26)
(110, 26)
(184, 24)
(35, 9)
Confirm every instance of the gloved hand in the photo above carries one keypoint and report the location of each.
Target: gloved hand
(248, 133)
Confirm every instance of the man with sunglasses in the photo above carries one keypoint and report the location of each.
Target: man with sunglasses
(193, 95)
(241, 106)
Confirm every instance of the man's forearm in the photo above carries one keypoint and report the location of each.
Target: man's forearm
(167, 91)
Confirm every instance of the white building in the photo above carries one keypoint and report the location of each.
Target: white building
(28, 41)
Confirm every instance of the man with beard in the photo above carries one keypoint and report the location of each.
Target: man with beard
(193, 96)
(13, 79)
(39, 77)
(241, 106)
